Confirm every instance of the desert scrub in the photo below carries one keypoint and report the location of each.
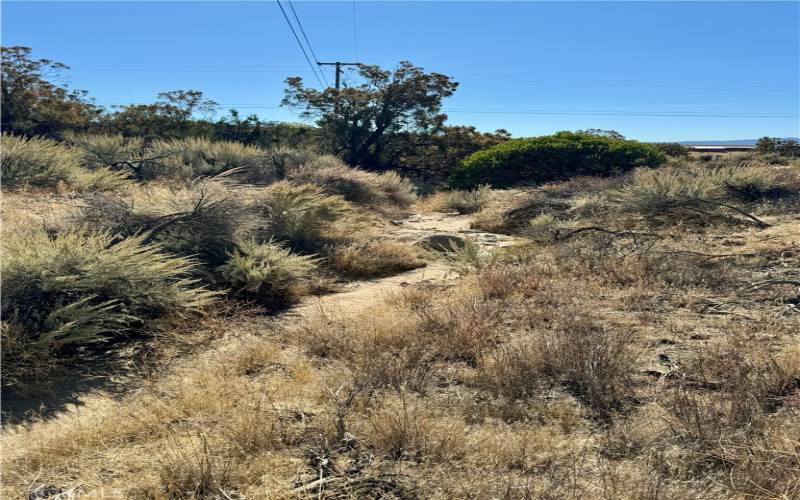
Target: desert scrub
(202, 218)
(355, 185)
(36, 162)
(752, 182)
(299, 215)
(673, 193)
(101, 150)
(196, 157)
(267, 273)
(461, 201)
(81, 287)
(374, 258)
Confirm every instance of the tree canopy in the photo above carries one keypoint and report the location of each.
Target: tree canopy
(32, 101)
(359, 122)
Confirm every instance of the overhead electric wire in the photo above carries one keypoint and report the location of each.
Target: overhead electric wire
(308, 42)
(305, 54)
(536, 79)
(546, 112)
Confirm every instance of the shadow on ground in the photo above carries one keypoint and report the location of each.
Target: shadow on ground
(61, 393)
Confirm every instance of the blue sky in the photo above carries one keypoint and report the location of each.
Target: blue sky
(590, 64)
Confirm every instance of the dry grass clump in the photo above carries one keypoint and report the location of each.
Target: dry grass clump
(237, 233)
(203, 218)
(374, 258)
(300, 215)
(45, 163)
(354, 185)
(80, 288)
(36, 162)
(461, 201)
(267, 273)
(195, 157)
(589, 360)
(681, 193)
(109, 151)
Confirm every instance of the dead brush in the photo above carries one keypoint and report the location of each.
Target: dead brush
(402, 427)
(460, 329)
(589, 359)
(373, 258)
(193, 470)
(378, 352)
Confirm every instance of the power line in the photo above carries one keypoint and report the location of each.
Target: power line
(463, 76)
(620, 113)
(305, 54)
(591, 81)
(355, 32)
(550, 112)
(310, 47)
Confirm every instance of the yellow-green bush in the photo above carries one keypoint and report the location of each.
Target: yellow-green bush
(267, 273)
(111, 151)
(700, 191)
(299, 214)
(195, 157)
(83, 287)
(36, 162)
(467, 202)
(203, 218)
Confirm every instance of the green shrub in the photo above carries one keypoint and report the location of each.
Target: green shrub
(83, 287)
(673, 149)
(553, 157)
(299, 214)
(195, 157)
(36, 162)
(267, 273)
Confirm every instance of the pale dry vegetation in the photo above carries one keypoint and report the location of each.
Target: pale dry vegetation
(619, 352)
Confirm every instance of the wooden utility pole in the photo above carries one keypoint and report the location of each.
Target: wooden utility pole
(338, 65)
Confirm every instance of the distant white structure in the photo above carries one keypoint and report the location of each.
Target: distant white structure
(719, 148)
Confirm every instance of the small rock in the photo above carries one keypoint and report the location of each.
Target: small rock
(396, 222)
(443, 242)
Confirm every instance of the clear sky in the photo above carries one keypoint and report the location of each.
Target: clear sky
(590, 64)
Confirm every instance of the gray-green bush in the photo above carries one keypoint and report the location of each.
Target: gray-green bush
(267, 273)
(36, 161)
(83, 287)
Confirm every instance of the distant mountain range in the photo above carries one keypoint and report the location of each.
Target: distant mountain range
(740, 142)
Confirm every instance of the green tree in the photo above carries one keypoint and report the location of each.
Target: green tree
(252, 130)
(359, 122)
(33, 104)
(173, 115)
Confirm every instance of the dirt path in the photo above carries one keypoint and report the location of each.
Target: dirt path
(410, 230)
